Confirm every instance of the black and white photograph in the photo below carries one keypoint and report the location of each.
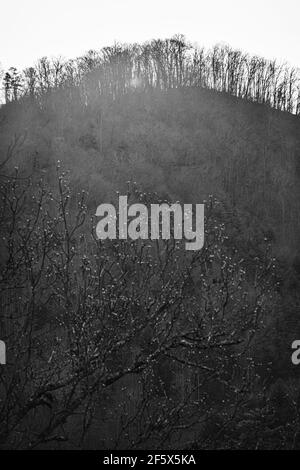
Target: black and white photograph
(149, 229)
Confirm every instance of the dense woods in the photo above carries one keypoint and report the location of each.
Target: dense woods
(162, 64)
(122, 344)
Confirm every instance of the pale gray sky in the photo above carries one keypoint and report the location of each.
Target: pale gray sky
(33, 28)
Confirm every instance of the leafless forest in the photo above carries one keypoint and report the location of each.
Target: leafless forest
(143, 345)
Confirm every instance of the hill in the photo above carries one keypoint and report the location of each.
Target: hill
(118, 343)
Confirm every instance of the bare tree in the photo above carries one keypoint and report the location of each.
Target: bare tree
(156, 330)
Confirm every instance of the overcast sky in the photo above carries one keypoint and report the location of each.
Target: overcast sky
(33, 28)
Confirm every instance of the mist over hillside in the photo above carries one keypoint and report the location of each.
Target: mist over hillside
(185, 141)
(200, 343)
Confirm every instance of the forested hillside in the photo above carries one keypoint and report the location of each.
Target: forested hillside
(193, 349)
